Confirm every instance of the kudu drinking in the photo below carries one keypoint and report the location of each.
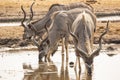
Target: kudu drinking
(82, 32)
(59, 29)
(38, 28)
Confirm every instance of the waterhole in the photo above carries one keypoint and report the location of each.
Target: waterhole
(23, 65)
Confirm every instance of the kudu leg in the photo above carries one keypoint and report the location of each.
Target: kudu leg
(67, 73)
(77, 61)
(79, 68)
(62, 74)
(67, 55)
(79, 65)
(77, 73)
(75, 65)
(63, 51)
(51, 50)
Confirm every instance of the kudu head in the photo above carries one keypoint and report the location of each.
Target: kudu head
(43, 48)
(88, 59)
(28, 27)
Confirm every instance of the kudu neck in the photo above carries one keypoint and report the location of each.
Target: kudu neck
(39, 25)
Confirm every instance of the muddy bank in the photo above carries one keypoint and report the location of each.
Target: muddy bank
(12, 43)
(9, 42)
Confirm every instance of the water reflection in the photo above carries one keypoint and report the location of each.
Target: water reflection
(105, 18)
(64, 73)
(23, 65)
(47, 71)
(43, 72)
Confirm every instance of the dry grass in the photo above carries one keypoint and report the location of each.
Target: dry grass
(12, 7)
(46, 3)
(11, 32)
(107, 5)
(113, 33)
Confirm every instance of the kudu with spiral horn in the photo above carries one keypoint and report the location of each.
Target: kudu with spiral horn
(59, 30)
(38, 27)
(88, 59)
(27, 27)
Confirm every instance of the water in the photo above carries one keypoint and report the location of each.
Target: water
(10, 24)
(105, 18)
(107, 68)
(110, 18)
(22, 64)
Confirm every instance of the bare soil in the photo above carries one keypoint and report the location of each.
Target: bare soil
(10, 10)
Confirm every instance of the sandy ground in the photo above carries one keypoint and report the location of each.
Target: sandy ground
(10, 9)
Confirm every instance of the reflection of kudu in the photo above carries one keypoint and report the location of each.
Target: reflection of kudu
(83, 29)
(46, 72)
(43, 72)
(59, 29)
(64, 73)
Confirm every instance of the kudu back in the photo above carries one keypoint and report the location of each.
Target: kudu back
(83, 27)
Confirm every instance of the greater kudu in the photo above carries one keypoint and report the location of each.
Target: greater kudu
(38, 27)
(83, 29)
(59, 29)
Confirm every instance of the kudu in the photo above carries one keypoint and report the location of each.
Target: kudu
(37, 28)
(27, 31)
(59, 29)
(82, 33)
